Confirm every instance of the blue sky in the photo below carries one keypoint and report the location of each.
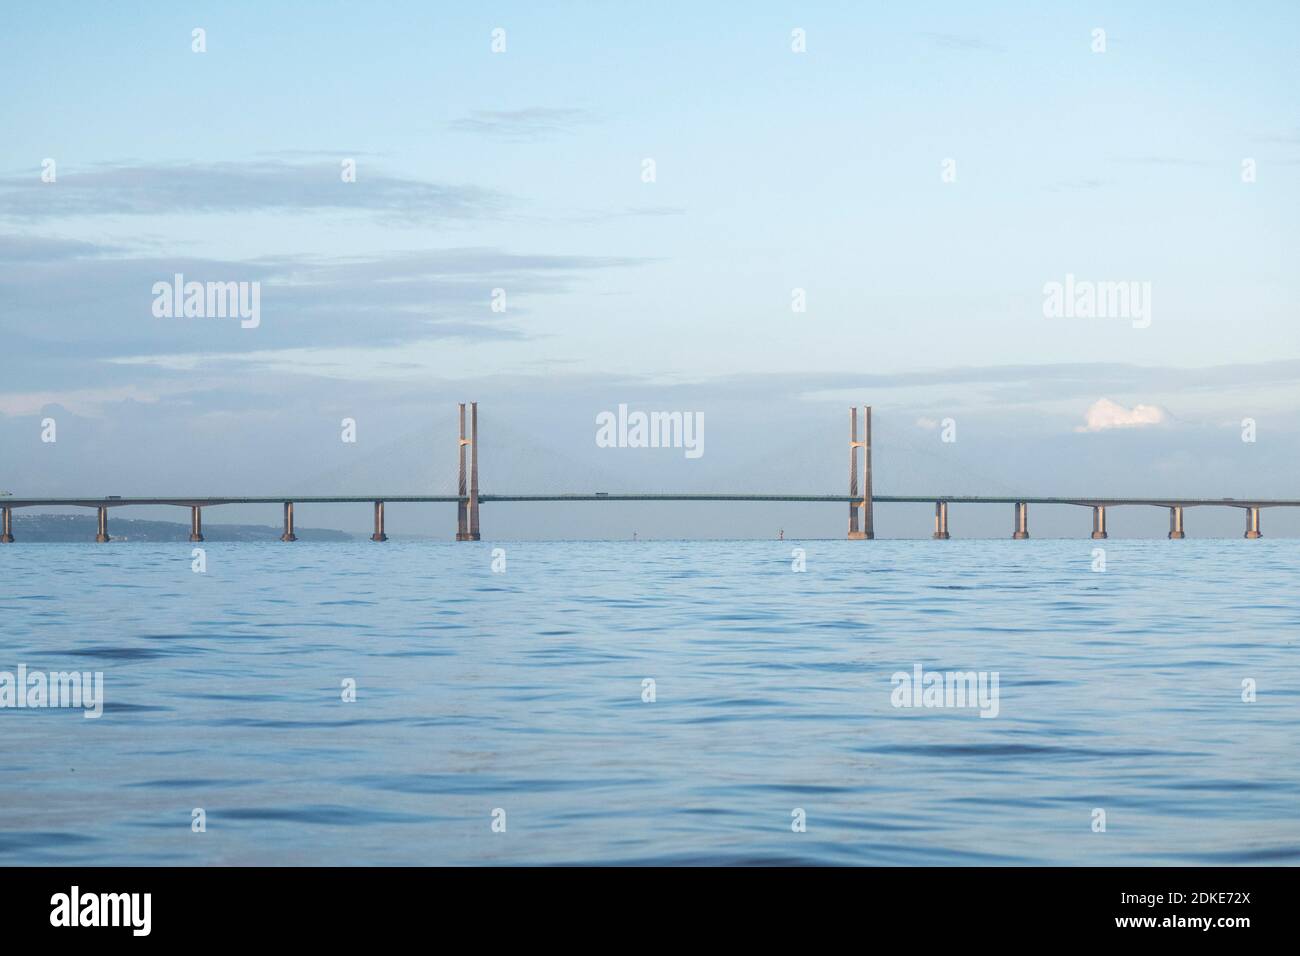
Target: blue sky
(774, 170)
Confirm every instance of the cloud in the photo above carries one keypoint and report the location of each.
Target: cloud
(82, 401)
(1033, 385)
(1104, 414)
(612, 215)
(1288, 138)
(526, 125)
(72, 307)
(18, 249)
(1163, 160)
(266, 185)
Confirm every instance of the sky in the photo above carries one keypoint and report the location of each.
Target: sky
(915, 176)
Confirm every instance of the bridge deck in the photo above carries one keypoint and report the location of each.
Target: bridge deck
(203, 502)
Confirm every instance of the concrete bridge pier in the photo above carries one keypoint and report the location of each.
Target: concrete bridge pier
(379, 523)
(1098, 521)
(196, 523)
(1022, 521)
(1176, 522)
(863, 508)
(473, 471)
(941, 521)
(288, 523)
(102, 534)
(1252, 523)
(854, 532)
(6, 526)
(462, 502)
(467, 506)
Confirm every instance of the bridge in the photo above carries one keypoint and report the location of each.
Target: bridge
(861, 502)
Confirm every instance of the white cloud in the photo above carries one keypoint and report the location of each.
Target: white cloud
(1104, 414)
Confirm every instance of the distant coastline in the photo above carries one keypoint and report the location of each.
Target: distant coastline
(72, 529)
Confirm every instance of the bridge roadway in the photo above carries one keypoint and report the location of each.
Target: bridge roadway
(204, 502)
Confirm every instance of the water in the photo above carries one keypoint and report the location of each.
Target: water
(523, 691)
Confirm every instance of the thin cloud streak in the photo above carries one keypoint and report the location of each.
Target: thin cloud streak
(160, 189)
(524, 125)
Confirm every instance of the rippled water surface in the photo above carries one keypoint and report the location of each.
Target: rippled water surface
(523, 691)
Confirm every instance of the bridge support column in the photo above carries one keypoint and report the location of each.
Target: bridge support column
(1022, 521)
(196, 523)
(1176, 522)
(462, 517)
(102, 534)
(462, 485)
(854, 533)
(941, 521)
(6, 526)
(1098, 521)
(379, 523)
(467, 506)
(473, 471)
(865, 506)
(288, 523)
(1252, 523)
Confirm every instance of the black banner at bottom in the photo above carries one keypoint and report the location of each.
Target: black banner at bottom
(338, 905)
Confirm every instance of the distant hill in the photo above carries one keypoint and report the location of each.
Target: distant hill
(41, 528)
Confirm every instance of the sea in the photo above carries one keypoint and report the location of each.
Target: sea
(1131, 702)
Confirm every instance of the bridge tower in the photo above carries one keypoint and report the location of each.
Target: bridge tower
(867, 530)
(467, 506)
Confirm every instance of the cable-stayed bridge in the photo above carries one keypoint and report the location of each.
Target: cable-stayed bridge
(860, 498)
